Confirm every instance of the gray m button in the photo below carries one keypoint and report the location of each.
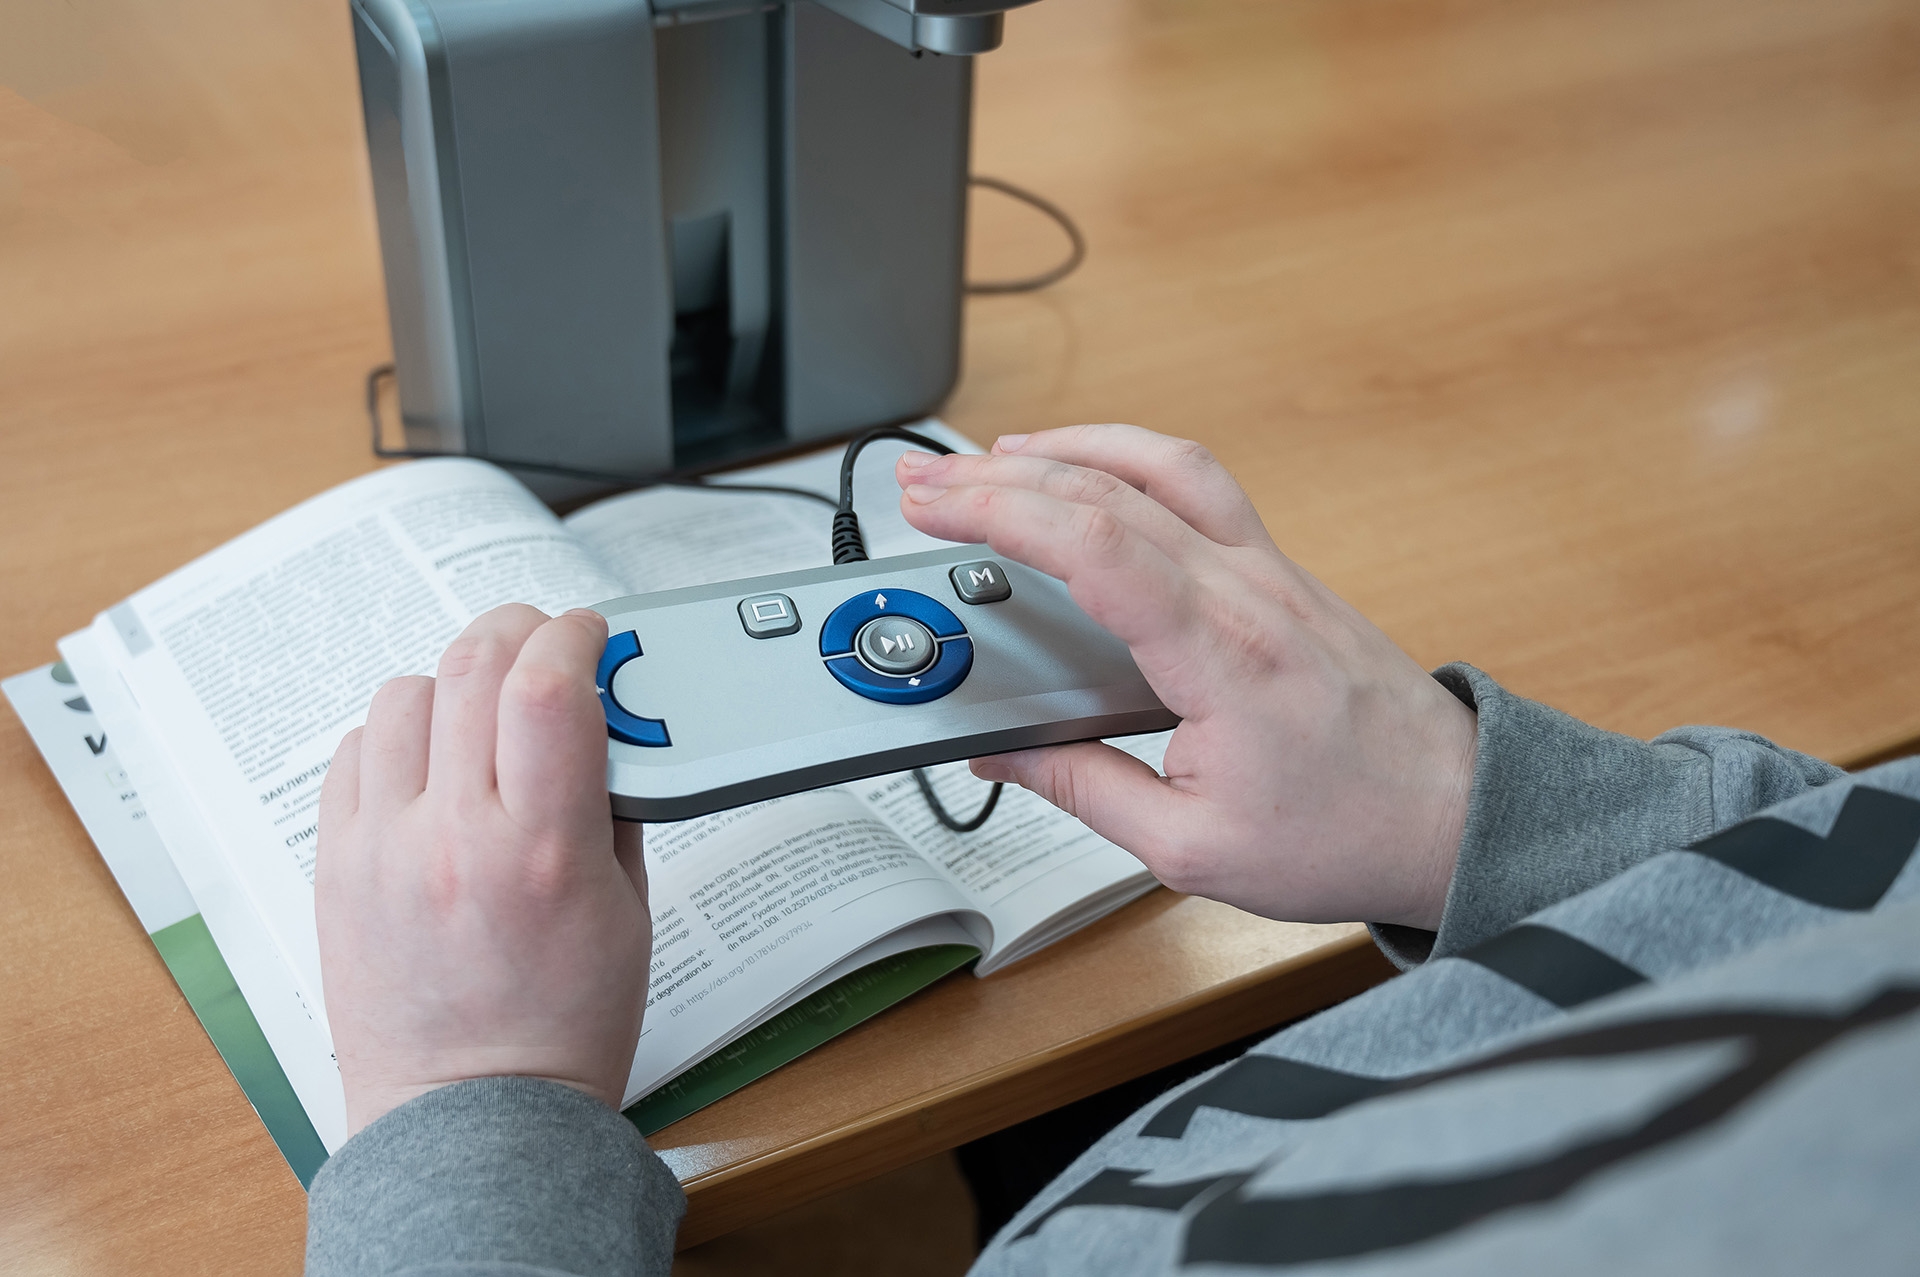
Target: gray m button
(981, 582)
(769, 615)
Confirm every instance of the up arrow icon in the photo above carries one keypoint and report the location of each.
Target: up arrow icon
(879, 600)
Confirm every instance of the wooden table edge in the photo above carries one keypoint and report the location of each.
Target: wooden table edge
(744, 1192)
(1899, 747)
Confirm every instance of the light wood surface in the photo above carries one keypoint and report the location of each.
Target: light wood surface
(1578, 338)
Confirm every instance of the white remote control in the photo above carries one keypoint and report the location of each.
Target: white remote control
(720, 695)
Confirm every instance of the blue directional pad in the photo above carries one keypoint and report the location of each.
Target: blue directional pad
(621, 725)
(948, 670)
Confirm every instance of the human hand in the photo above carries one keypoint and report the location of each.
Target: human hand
(1318, 773)
(481, 913)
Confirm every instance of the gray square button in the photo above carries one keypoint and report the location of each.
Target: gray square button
(769, 615)
(983, 581)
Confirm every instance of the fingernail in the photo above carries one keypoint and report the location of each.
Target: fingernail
(918, 460)
(991, 769)
(1010, 443)
(923, 493)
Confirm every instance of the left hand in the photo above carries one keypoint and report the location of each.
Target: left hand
(480, 911)
(1318, 774)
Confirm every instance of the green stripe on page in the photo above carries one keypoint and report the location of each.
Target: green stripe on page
(202, 975)
(813, 1020)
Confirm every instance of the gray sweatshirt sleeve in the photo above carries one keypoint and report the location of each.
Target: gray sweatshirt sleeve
(503, 1175)
(1558, 807)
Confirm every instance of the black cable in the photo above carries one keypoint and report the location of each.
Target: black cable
(849, 546)
(940, 812)
(383, 372)
(1076, 254)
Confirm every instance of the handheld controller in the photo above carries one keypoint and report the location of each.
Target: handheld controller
(719, 695)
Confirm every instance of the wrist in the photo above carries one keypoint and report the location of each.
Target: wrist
(1462, 756)
(1452, 753)
(369, 1101)
(368, 1104)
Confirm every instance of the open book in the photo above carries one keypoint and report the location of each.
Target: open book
(226, 686)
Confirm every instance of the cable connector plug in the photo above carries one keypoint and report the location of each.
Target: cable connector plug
(849, 546)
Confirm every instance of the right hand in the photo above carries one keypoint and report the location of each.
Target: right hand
(1318, 773)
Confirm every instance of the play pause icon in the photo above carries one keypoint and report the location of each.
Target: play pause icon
(897, 645)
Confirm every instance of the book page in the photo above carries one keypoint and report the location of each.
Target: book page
(276, 998)
(757, 906)
(254, 660)
(1034, 871)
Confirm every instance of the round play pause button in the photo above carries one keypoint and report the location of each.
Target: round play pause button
(895, 645)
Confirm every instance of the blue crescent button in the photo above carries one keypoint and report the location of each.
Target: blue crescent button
(621, 725)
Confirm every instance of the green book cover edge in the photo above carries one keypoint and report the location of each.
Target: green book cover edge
(202, 974)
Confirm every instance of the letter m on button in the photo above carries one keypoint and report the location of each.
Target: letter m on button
(982, 581)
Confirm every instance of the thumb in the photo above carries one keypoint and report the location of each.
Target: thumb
(1110, 791)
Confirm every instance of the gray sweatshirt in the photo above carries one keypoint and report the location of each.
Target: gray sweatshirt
(1654, 1032)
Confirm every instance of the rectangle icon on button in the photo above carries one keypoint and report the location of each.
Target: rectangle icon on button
(769, 616)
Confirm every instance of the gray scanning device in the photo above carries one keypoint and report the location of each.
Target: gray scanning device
(641, 236)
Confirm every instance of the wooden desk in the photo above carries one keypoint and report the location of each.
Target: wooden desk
(1580, 339)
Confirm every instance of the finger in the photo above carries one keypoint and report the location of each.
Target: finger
(393, 745)
(1077, 485)
(1110, 791)
(466, 700)
(1118, 578)
(551, 761)
(1178, 473)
